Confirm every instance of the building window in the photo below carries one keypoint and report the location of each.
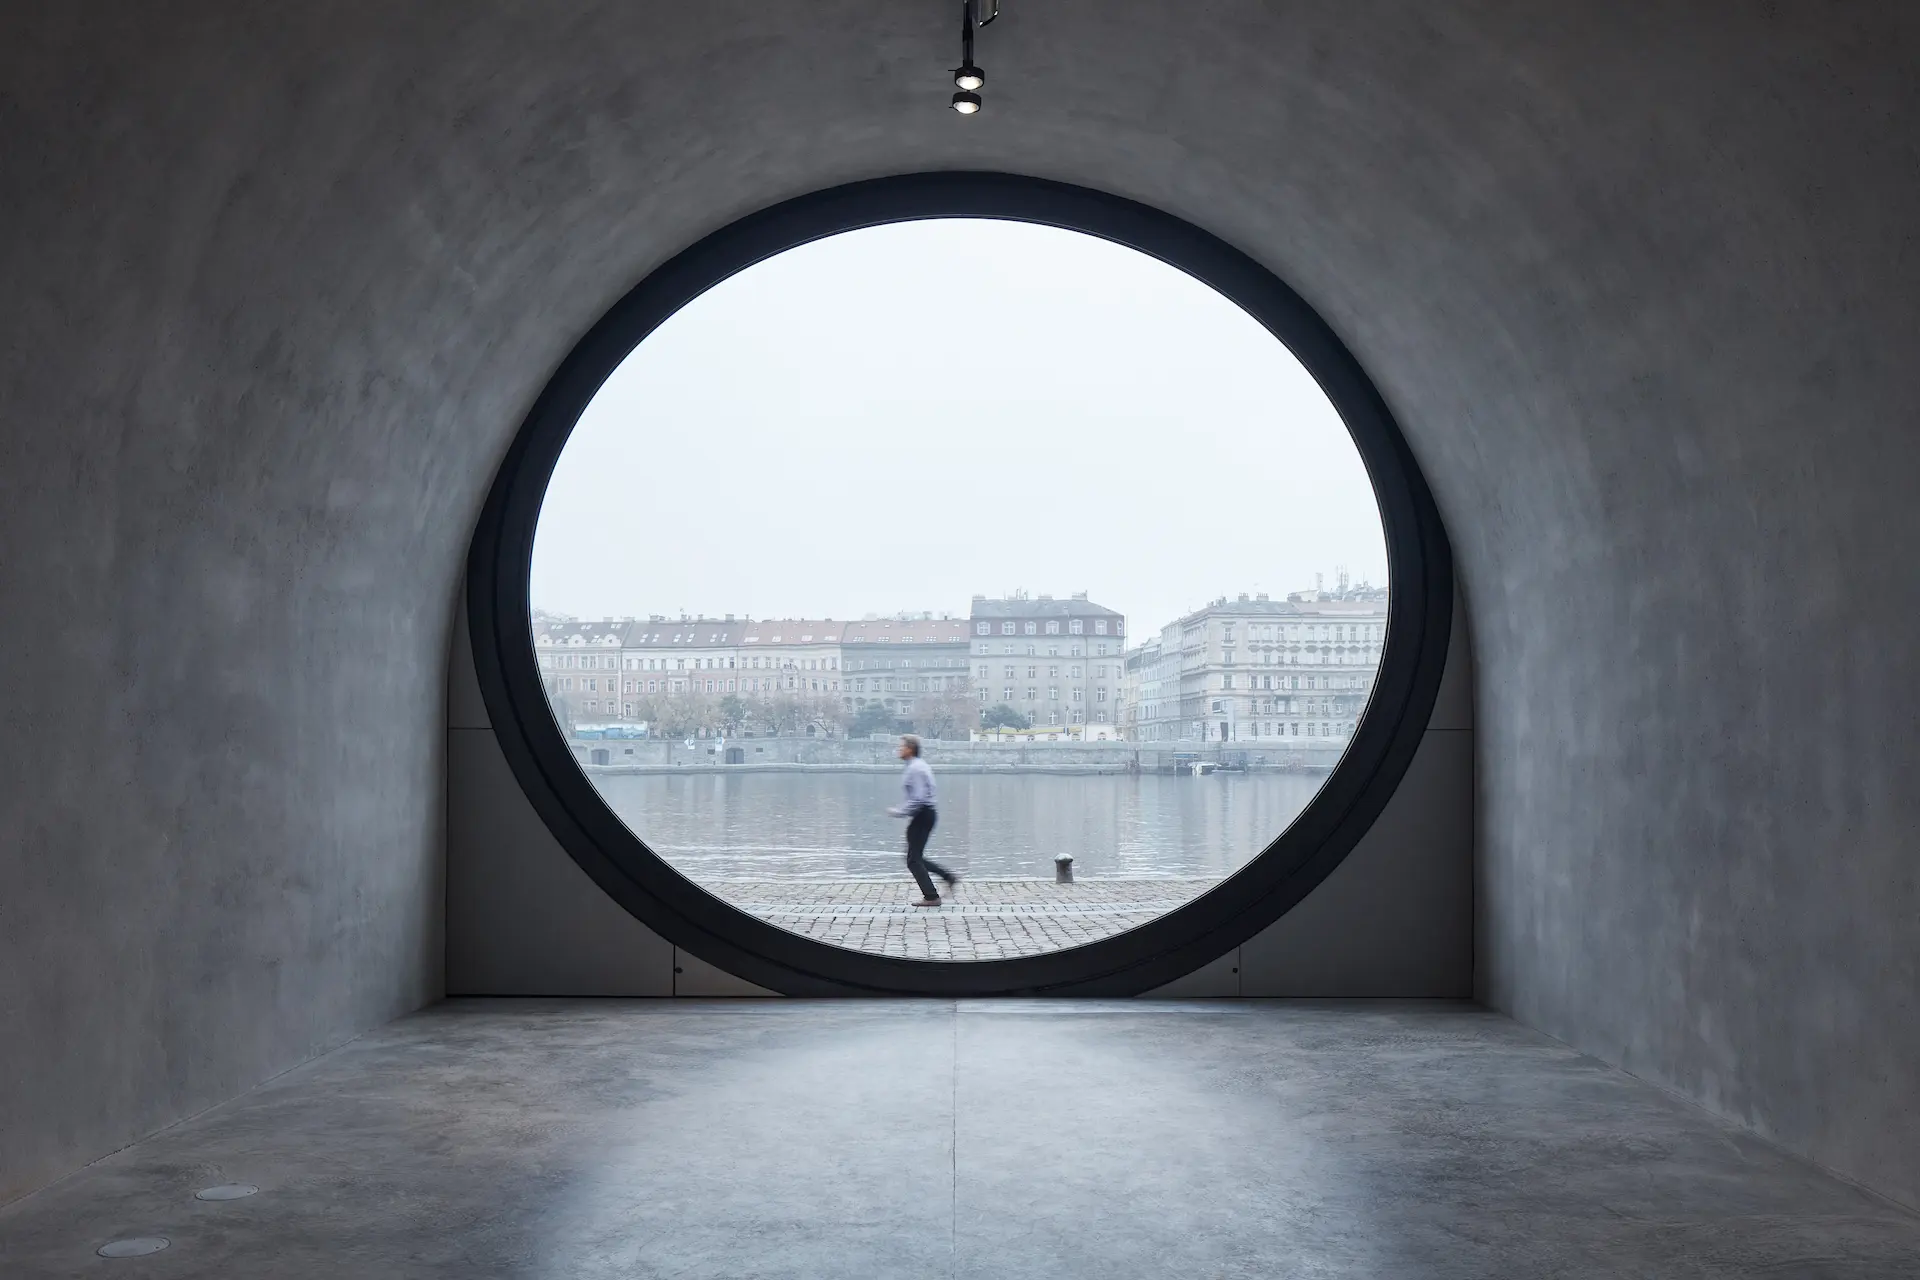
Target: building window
(1076, 626)
(1053, 693)
(1033, 673)
(1078, 694)
(983, 629)
(1053, 628)
(1100, 627)
(1006, 628)
(1006, 694)
(1032, 628)
(1103, 696)
(1033, 695)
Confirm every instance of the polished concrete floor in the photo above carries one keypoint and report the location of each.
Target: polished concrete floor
(852, 1139)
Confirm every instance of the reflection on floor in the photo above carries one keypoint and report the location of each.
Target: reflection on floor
(980, 1139)
(979, 919)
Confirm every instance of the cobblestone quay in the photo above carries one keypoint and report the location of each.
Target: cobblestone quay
(979, 920)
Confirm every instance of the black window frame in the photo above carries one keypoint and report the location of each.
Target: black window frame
(618, 860)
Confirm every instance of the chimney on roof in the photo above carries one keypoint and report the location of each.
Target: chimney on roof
(1261, 596)
(1243, 597)
(1079, 595)
(979, 597)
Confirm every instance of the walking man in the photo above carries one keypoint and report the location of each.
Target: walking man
(918, 810)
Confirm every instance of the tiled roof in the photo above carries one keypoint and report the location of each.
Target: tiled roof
(1305, 609)
(1041, 609)
(791, 631)
(907, 631)
(684, 635)
(593, 631)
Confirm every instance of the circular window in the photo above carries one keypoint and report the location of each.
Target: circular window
(959, 462)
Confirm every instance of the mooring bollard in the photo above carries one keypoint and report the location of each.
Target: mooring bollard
(1063, 869)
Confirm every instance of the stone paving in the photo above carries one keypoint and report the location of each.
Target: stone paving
(978, 920)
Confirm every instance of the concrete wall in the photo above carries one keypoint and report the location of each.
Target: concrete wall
(1394, 919)
(1681, 474)
(220, 617)
(1639, 280)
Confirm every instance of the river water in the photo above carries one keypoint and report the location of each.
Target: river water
(807, 826)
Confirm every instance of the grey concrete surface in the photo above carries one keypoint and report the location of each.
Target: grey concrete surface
(1640, 282)
(873, 1138)
(522, 918)
(694, 978)
(1396, 917)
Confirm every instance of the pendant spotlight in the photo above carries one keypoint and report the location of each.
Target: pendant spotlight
(968, 78)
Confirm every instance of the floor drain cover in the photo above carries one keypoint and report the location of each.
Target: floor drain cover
(139, 1246)
(228, 1191)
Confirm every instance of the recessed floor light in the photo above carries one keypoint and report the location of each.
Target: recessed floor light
(227, 1191)
(137, 1247)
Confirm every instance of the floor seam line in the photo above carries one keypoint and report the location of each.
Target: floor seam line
(953, 1155)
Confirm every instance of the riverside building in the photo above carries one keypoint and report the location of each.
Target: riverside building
(1296, 671)
(1054, 661)
(910, 664)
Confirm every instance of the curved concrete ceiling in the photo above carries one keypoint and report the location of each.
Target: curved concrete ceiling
(1638, 280)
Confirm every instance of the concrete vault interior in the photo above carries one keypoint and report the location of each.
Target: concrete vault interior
(1641, 286)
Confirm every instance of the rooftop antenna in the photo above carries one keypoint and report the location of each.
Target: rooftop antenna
(968, 78)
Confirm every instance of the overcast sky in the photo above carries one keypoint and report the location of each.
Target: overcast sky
(903, 417)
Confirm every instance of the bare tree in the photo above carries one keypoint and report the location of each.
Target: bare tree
(947, 712)
(828, 712)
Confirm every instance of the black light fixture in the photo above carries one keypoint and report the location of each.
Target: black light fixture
(967, 78)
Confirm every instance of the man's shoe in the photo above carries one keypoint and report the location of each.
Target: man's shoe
(927, 902)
